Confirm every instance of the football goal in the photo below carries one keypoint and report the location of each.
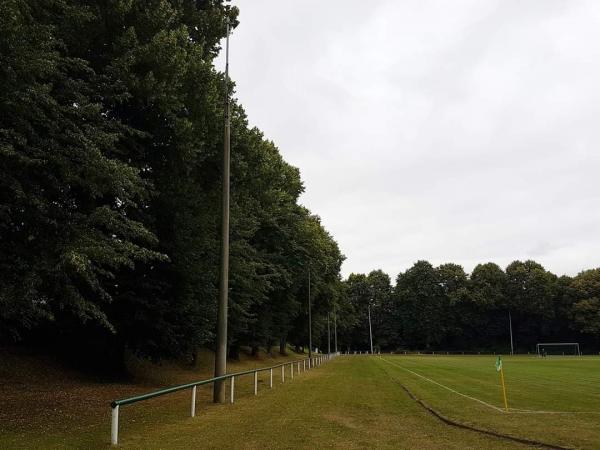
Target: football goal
(558, 348)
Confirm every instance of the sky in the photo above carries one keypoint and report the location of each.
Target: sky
(460, 131)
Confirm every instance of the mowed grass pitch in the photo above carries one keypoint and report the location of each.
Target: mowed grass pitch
(555, 400)
(352, 402)
(348, 403)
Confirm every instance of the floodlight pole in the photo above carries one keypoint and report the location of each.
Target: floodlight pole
(328, 336)
(370, 329)
(512, 349)
(309, 321)
(221, 350)
(335, 328)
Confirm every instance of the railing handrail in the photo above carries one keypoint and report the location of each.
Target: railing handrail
(180, 387)
(313, 361)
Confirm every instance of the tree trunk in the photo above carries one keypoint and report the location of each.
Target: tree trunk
(234, 352)
(195, 360)
(115, 358)
(269, 347)
(282, 346)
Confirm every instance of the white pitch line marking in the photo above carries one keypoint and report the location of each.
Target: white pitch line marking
(511, 410)
(445, 387)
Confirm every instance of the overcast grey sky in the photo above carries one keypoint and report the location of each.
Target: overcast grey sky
(453, 131)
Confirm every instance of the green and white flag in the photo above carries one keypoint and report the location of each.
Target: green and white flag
(499, 364)
(499, 369)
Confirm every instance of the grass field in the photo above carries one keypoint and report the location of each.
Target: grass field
(555, 400)
(352, 402)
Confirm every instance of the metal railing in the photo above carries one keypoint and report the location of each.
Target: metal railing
(301, 365)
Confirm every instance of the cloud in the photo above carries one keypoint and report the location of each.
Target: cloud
(461, 131)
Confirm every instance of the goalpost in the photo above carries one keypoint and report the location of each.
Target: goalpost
(558, 348)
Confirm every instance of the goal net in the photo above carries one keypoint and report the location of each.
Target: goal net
(558, 348)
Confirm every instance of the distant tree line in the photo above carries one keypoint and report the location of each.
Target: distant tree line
(443, 308)
(111, 137)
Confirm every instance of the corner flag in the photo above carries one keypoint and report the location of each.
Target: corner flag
(499, 369)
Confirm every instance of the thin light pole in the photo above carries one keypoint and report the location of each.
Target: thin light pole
(370, 329)
(221, 350)
(335, 328)
(328, 336)
(512, 349)
(309, 320)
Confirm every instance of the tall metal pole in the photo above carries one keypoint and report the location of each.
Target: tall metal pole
(370, 330)
(221, 350)
(328, 336)
(335, 328)
(309, 319)
(512, 349)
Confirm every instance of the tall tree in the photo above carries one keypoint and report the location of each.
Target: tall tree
(456, 303)
(65, 195)
(487, 323)
(381, 308)
(529, 291)
(420, 306)
(586, 310)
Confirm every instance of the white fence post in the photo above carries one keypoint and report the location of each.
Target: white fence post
(114, 426)
(194, 401)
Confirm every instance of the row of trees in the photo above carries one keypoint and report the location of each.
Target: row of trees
(111, 128)
(443, 308)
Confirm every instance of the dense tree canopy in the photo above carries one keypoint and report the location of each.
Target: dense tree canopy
(586, 309)
(111, 125)
(443, 308)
